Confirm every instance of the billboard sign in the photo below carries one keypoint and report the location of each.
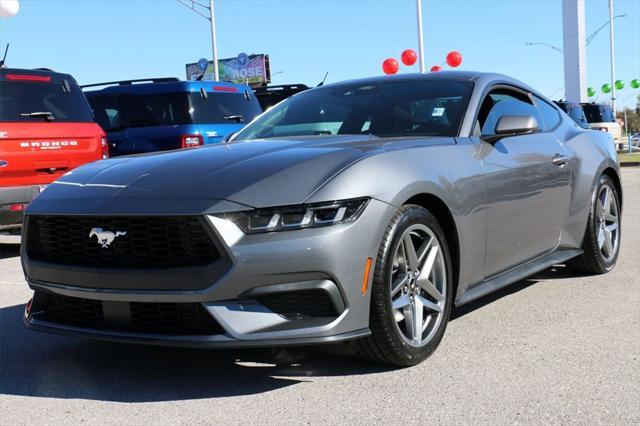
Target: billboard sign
(250, 69)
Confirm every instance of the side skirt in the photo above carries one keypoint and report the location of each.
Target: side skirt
(517, 274)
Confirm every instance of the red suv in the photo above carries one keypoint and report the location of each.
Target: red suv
(46, 129)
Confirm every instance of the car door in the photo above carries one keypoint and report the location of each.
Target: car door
(527, 183)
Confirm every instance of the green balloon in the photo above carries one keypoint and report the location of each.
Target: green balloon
(591, 91)
(635, 83)
(619, 84)
(606, 88)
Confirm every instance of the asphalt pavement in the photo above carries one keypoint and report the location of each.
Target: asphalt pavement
(553, 349)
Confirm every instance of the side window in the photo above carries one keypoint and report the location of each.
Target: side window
(502, 102)
(106, 112)
(550, 115)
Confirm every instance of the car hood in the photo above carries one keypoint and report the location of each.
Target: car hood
(256, 173)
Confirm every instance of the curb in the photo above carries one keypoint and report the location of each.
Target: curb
(630, 164)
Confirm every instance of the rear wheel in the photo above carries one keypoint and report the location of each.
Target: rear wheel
(411, 290)
(602, 236)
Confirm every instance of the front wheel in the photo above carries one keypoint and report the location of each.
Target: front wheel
(602, 236)
(412, 290)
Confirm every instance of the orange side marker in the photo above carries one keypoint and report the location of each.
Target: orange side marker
(365, 278)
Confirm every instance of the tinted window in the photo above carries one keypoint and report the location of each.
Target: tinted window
(575, 112)
(504, 102)
(598, 113)
(382, 108)
(21, 97)
(107, 112)
(217, 106)
(158, 109)
(550, 115)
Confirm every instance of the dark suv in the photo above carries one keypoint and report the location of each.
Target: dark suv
(574, 110)
(166, 113)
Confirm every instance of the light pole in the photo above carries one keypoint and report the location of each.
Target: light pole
(191, 4)
(420, 41)
(613, 60)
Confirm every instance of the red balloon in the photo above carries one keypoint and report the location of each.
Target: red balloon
(436, 68)
(390, 66)
(409, 57)
(454, 58)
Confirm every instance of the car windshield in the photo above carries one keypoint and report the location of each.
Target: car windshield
(22, 101)
(382, 108)
(598, 113)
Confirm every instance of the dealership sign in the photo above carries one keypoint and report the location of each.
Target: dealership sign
(250, 69)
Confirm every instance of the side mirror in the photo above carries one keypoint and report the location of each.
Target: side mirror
(513, 125)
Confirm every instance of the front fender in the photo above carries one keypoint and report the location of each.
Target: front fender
(453, 173)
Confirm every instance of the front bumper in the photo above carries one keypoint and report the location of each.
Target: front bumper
(328, 261)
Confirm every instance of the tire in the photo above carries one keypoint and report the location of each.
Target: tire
(595, 259)
(393, 341)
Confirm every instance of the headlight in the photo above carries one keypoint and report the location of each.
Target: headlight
(297, 217)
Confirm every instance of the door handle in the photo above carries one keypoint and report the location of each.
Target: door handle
(560, 160)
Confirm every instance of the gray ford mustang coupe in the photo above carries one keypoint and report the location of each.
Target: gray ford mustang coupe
(359, 211)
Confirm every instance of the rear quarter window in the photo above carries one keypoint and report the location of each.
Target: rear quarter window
(550, 115)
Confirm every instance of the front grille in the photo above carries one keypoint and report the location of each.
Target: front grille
(149, 242)
(153, 318)
(173, 318)
(75, 311)
(300, 304)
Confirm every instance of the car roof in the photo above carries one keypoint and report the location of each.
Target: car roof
(168, 87)
(478, 78)
(56, 77)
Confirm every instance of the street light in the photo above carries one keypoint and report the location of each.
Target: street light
(602, 27)
(587, 40)
(191, 4)
(557, 49)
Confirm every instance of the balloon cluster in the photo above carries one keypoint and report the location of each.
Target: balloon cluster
(618, 84)
(409, 58)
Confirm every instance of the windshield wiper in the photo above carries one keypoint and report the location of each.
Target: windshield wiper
(238, 118)
(42, 114)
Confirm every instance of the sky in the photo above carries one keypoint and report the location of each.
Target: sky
(97, 40)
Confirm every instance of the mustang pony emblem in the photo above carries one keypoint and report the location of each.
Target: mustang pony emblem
(105, 238)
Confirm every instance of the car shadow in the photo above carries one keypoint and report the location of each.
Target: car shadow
(46, 365)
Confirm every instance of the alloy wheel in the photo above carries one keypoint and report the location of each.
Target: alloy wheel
(418, 285)
(607, 223)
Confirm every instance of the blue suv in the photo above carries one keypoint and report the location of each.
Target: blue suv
(166, 113)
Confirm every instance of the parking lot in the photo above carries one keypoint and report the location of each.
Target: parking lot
(555, 348)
